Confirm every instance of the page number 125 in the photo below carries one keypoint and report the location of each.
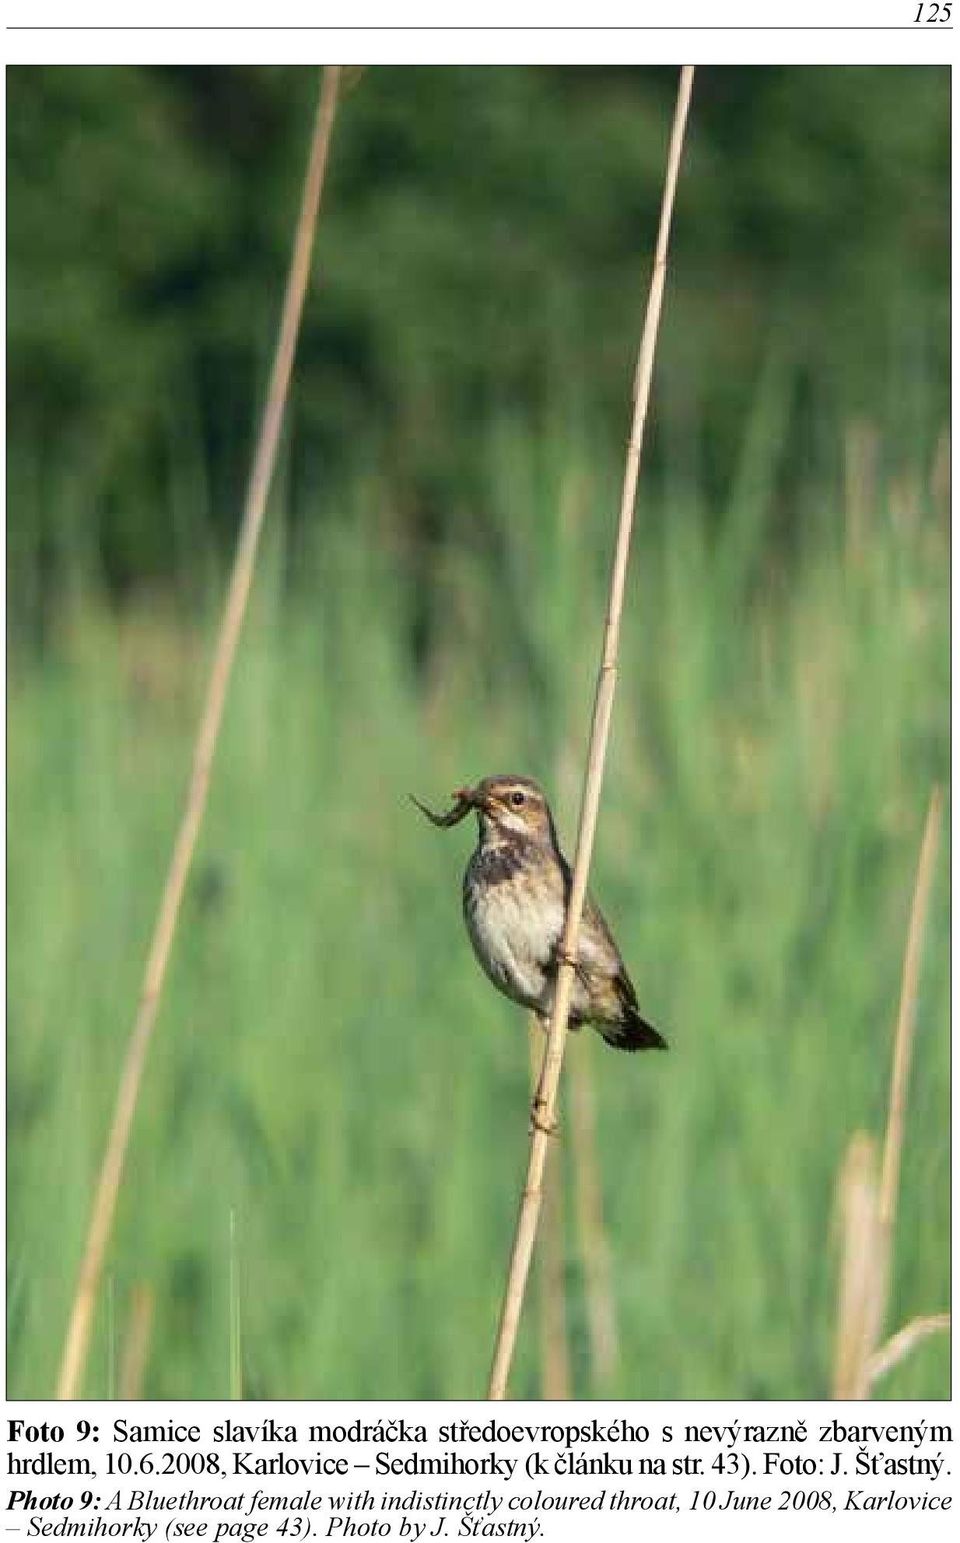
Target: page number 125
(930, 11)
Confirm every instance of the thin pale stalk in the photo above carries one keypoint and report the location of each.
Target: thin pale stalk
(111, 1172)
(907, 1011)
(901, 1344)
(860, 1267)
(593, 1242)
(868, 1204)
(900, 1072)
(532, 1195)
(592, 1237)
(136, 1346)
(554, 1349)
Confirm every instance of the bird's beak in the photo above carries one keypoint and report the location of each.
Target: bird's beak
(473, 799)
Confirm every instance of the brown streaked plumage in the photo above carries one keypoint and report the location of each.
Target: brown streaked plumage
(515, 891)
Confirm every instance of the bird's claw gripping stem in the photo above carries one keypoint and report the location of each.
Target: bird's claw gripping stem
(539, 1120)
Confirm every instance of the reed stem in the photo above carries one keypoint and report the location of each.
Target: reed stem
(552, 1292)
(532, 1195)
(77, 1338)
(594, 1245)
(907, 1010)
(869, 1202)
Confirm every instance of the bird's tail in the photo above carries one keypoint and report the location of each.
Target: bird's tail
(634, 1033)
(629, 1031)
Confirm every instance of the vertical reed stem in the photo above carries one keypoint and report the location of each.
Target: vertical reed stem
(531, 1198)
(111, 1171)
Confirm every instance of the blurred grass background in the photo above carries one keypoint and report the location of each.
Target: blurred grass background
(332, 1074)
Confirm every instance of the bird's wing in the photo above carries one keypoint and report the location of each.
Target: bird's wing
(599, 955)
(596, 945)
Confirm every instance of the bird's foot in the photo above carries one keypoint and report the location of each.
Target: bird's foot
(540, 1120)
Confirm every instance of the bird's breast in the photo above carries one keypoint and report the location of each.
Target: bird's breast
(513, 910)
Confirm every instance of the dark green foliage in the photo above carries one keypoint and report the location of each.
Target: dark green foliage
(484, 249)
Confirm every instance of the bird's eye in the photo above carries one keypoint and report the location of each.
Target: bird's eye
(517, 798)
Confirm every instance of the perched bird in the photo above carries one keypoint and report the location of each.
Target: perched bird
(515, 892)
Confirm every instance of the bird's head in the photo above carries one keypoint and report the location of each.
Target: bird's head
(508, 808)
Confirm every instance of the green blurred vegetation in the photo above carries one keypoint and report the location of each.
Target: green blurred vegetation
(330, 1064)
(331, 1071)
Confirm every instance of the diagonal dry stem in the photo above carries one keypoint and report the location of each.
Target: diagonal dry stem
(901, 1344)
(868, 1202)
(907, 1011)
(530, 1202)
(111, 1171)
(594, 1244)
(554, 1348)
(592, 1240)
(900, 1073)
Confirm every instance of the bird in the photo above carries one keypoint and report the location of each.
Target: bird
(515, 892)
